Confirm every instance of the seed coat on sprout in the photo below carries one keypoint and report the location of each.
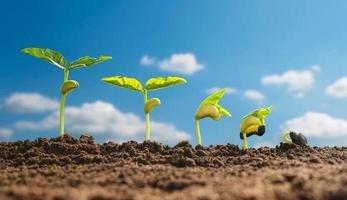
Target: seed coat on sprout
(253, 124)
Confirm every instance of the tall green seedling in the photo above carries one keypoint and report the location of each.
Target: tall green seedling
(210, 108)
(58, 60)
(151, 84)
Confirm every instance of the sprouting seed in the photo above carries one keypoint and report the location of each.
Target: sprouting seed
(294, 137)
(209, 108)
(58, 60)
(253, 123)
(151, 84)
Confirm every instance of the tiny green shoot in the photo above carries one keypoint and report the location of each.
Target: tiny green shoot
(151, 84)
(209, 108)
(253, 123)
(58, 60)
(285, 138)
(294, 137)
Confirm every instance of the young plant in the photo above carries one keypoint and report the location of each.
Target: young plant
(58, 60)
(151, 84)
(293, 137)
(209, 108)
(253, 123)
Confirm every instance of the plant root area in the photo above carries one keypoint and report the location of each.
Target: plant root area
(69, 168)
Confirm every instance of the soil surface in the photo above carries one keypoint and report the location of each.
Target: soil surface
(69, 168)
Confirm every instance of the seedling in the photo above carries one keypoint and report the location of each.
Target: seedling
(253, 124)
(151, 84)
(209, 108)
(293, 137)
(58, 60)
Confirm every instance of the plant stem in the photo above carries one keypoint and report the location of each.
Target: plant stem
(62, 105)
(245, 144)
(197, 131)
(148, 126)
(285, 138)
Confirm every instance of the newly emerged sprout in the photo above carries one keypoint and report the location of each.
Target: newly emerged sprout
(253, 123)
(151, 84)
(58, 60)
(210, 108)
(294, 137)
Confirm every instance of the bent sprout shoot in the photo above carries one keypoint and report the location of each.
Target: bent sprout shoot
(253, 124)
(294, 137)
(58, 60)
(151, 84)
(286, 139)
(209, 108)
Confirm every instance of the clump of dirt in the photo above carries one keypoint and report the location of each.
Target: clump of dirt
(82, 169)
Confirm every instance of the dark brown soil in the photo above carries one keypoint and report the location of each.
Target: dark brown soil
(72, 168)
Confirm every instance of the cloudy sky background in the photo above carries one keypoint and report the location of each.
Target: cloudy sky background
(290, 55)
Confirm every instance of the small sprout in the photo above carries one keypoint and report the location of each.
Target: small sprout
(294, 137)
(210, 108)
(151, 84)
(58, 60)
(253, 123)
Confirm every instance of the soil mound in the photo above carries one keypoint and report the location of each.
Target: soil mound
(70, 168)
(68, 150)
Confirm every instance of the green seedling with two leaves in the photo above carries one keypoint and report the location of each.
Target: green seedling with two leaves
(210, 108)
(151, 84)
(253, 124)
(58, 60)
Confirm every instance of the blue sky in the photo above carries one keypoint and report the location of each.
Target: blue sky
(291, 55)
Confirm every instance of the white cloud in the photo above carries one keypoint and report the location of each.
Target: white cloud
(103, 118)
(147, 60)
(297, 82)
(29, 102)
(182, 63)
(318, 125)
(254, 95)
(4, 132)
(338, 89)
(215, 89)
(167, 132)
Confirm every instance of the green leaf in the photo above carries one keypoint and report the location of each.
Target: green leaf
(214, 98)
(87, 61)
(223, 111)
(124, 82)
(161, 82)
(68, 86)
(48, 55)
(260, 113)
